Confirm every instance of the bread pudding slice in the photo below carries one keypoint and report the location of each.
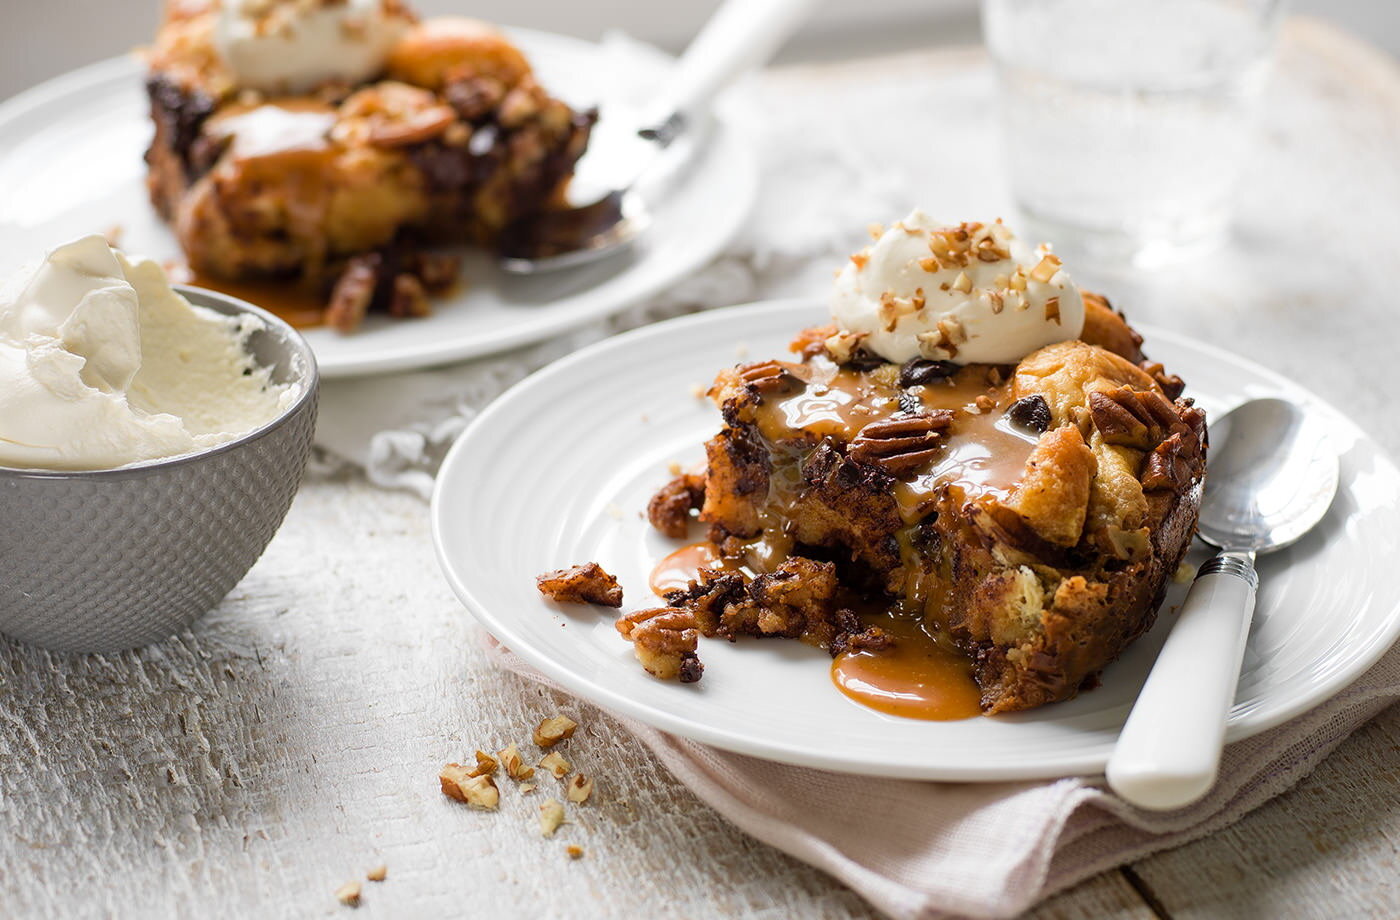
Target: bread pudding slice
(339, 177)
(1030, 513)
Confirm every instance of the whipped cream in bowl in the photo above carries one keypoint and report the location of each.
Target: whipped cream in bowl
(969, 293)
(151, 442)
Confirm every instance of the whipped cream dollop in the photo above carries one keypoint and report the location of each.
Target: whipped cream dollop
(292, 46)
(970, 293)
(103, 365)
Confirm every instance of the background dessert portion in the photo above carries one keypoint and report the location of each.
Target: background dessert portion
(974, 475)
(103, 365)
(328, 147)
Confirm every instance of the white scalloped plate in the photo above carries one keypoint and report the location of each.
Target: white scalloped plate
(70, 164)
(559, 470)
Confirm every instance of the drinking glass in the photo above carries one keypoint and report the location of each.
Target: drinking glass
(1127, 122)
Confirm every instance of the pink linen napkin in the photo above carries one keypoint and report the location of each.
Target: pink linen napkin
(929, 850)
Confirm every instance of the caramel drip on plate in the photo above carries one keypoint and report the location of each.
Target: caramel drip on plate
(288, 300)
(917, 677)
(683, 566)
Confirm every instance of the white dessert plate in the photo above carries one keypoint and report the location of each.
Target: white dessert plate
(70, 164)
(558, 472)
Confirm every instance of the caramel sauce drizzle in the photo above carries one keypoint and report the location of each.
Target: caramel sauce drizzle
(920, 676)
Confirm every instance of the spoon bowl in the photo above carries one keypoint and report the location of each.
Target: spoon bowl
(1273, 475)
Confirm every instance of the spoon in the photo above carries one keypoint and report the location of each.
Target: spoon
(1272, 476)
(742, 35)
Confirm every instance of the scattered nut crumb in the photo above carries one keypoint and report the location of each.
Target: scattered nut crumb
(485, 764)
(378, 874)
(349, 894)
(574, 850)
(580, 787)
(551, 816)
(515, 765)
(461, 784)
(554, 730)
(554, 763)
(581, 584)
(527, 788)
(1185, 573)
(674, 468)
(697, 391)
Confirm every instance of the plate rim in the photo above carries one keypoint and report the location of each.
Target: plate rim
(1087, 764)
(741, 181)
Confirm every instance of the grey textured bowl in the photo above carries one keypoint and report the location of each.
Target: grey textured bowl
(112, 559)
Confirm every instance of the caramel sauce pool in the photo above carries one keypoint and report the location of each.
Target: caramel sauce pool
(916, 677)
(683, 566)
(286, 300)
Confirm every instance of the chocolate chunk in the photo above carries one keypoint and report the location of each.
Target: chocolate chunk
(1031, 412)
(922, 371)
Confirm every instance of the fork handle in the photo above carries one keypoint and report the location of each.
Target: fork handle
(1168, 753)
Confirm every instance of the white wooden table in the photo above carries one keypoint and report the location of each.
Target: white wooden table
(291, 740)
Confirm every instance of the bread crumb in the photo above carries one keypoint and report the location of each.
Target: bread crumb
(378, 874)
(574, 850)
(349, 894)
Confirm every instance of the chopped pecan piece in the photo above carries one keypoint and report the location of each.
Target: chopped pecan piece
(581, 584)
(1171, 384)
(665, 640)
(1133, 418)
(349, 894)
(353, 293)
(465, 786)
(553, 730)
(901, 445)
(669, 509)
(551, 816)
(811, 342)
(555, 765)
(580, 787)
(510, 758)
(407, 297)
(1171, 464)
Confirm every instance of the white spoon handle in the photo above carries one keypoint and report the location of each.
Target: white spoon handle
(742, 35)
(1168, 753)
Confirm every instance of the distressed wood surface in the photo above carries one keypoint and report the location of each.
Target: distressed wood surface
(290, 741)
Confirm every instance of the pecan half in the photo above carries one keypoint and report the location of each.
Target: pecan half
(1171, 464)
(665, 640)
(1134, 418)
(767, 377)
(902, 444)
